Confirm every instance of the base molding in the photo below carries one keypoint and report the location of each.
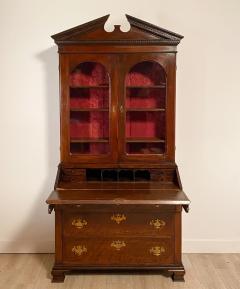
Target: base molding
(59, 271)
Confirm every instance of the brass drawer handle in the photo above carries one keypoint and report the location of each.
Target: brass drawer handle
(118, 244)
(157, 251)
(118, 218)
(78, 250)
(157, 223)
(79, 223)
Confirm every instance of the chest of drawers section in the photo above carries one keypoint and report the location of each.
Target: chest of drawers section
(117, 236)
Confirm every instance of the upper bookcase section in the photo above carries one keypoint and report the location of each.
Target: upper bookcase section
(140, 33)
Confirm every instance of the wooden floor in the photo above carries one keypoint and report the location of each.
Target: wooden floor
(204, 271)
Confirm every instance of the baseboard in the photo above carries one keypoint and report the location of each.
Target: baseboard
(189, 246)
(211, 246)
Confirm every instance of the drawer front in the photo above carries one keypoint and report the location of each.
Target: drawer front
(118, 222)
(118, 251)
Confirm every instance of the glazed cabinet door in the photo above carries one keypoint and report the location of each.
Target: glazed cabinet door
(88, 101)
(146, 107)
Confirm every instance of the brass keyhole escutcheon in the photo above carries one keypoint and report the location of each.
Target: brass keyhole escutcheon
(118, 218)
(157, 251)
(79, 250)
(118, 244)
(121, 108)
(79, 223)
(157, 223)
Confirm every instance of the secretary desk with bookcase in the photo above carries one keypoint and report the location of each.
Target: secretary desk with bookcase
(118, 197)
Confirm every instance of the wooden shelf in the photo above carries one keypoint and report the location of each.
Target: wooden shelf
(106, 109)
(145, 109)
(145, 140)
(89, 109)
(90, 86)
(147, 86)
(88, 140)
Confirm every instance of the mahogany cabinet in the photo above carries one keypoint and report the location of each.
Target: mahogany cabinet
(118, 197)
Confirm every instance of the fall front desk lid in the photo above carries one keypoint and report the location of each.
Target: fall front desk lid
(119, 196)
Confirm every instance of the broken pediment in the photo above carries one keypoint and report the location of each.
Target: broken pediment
(141, 32)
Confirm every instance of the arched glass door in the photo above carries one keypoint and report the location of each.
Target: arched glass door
(89, 109)
(145, 109)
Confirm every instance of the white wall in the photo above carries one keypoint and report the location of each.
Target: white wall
(208, 118)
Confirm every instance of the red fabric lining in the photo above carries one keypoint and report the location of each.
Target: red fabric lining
(146, 73)
(138, 124)
(145, 124)
(145, 148)
(89, 148)
(98, 148)
(89, 98)
(145, 98)
(89, 125)
(88, 73)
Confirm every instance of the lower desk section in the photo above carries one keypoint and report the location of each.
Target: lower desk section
(117, 237)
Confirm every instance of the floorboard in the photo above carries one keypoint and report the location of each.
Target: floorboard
(204, 271)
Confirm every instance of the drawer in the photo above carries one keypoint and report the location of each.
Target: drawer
(120, 222)
(118, 251)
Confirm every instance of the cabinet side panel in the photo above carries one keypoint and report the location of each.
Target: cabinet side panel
(64, 99)
(171, 100)
(58, 235)
(178, 235)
